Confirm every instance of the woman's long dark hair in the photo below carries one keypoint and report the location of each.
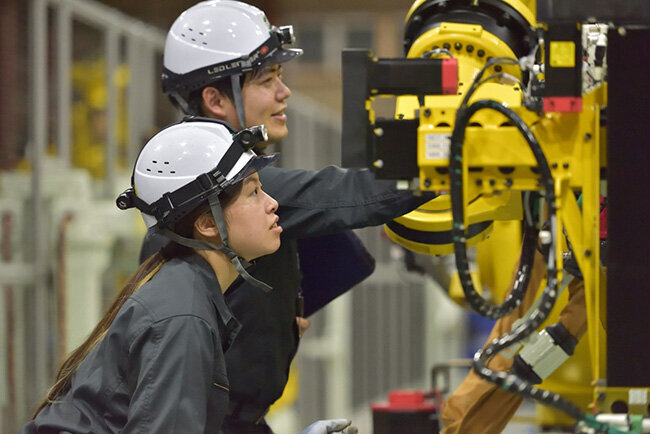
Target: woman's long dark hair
(141, 276)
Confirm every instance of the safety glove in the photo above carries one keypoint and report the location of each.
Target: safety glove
(343, 426)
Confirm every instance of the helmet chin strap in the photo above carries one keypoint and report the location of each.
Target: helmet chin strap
(240, 263)
(178, 99)
(235, 83)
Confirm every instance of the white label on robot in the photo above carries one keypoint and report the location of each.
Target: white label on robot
(437, 146)
(638, 396)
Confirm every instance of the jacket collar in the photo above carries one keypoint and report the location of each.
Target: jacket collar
(231, 325)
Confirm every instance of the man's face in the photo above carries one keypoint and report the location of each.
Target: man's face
(264, 97)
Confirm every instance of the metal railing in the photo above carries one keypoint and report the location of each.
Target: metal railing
(28, 336)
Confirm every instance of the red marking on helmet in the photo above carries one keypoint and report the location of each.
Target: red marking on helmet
(264, 50)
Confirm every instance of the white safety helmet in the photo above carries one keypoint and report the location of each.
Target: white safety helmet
(189, 164)
(217, 39)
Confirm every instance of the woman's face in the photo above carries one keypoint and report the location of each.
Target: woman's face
(252, 224)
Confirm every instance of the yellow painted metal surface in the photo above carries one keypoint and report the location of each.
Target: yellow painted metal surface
(497, 257)
(562, 54)
(525, 7)
(637, 399)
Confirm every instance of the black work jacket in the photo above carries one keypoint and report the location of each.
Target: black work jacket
(160, 368)
(311, 203)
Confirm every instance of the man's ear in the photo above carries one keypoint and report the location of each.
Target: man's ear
(205, 226)
(214, 102)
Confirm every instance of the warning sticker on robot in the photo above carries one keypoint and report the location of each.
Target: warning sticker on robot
(436, 146)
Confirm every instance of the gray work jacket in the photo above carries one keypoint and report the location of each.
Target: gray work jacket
(311, 203)
(160, 368)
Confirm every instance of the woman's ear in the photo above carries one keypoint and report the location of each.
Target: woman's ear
(214, 102)
(205, 226)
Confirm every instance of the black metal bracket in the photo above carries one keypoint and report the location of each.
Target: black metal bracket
(365, 144)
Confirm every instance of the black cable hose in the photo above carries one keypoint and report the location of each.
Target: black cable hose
(478, 303)
(505, 380)
(479, 76)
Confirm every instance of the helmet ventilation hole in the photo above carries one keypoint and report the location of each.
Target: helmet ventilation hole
(160, 171)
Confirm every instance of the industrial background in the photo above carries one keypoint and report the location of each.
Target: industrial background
(80, 94)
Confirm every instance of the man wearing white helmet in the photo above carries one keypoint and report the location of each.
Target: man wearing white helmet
(229, 39)
(223, 60)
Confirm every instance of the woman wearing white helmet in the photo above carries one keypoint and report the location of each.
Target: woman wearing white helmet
(155, 362)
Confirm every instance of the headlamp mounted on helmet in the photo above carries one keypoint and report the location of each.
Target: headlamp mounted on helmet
(285, 34)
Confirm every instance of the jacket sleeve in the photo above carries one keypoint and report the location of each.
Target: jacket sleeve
(334, 199)
(479, 406)
(171, 367)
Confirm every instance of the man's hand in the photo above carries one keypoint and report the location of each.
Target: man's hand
(342, 426)
(303, 325)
